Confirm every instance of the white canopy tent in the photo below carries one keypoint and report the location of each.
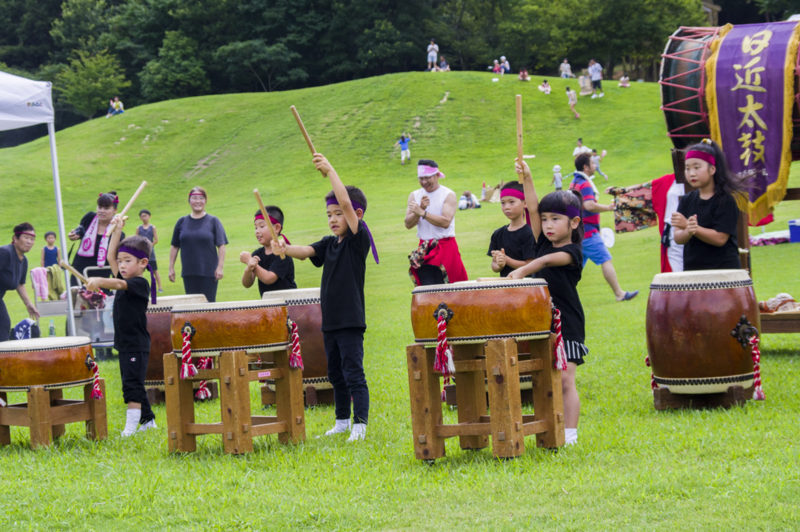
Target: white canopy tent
(26, 103)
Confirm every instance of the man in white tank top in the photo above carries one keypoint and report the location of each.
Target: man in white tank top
(432, 209)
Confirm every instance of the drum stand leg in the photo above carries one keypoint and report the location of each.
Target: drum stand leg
(426, 403)
(289, 407)
(39, 417)
(504, 398)
(470, 394)
(55, 395)
(5, 430)
(548, 401)
(235, 401)
(97, 424)
(180, 407)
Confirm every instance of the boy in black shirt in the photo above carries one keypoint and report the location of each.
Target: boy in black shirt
(128, 260)
(512, 246)
(272, 272)
(343, 260)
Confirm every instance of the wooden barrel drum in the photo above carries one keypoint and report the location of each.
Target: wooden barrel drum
(691, 321)
(53, 362)
(252, 326)
(159, 318)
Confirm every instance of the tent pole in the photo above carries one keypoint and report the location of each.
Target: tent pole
(62, 232)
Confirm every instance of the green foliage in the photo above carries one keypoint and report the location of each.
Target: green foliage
(24, 31)
(81, 24)
(90, 81)
(274, 63)
(778, 9)
(177, 73)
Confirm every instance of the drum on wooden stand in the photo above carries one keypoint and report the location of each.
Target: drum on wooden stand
(52, 362)
(303, 307)
(159, 319)
(699, 325)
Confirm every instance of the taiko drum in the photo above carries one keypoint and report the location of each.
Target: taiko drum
(47, 361)
(159, 318)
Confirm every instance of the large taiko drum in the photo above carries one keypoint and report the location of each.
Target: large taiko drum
(52, 362)
(159, 318)
(252, 326)
(303, 306)
(482, 310)
(691, 321)
(683, 83)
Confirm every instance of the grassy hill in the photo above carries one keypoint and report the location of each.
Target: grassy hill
(633, 468)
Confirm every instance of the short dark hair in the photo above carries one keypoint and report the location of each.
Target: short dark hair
(138, 243)
(580, 139)
(22, 228)
(558, 201)
(49, 233)
(144, 211)
(427, 162)
(273, 211)
(594, 151)
(108, 200)
(354, 193)
(515, 185)
(584, 159)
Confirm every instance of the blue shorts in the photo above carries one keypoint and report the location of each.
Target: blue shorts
(594, 248)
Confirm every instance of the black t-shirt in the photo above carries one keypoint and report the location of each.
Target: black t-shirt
(563, 284)
(130, 317)
(81, 263)
(198, 239)
(13, 270)
(719, 213)
(519, 245)
(283, 268)
(344, 266)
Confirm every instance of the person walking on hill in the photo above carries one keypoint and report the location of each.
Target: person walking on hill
(405, 153)
(433, 51)
(596, 73)
(573, 101)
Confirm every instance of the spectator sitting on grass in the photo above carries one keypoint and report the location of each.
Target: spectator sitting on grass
(545, 87)
(523, 75)
(505, 66)
(624, 81)
(468, 200)
(443, 66)
(496, 68)
(115, 107)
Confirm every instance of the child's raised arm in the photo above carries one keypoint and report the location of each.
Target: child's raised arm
(531, 200)
(342, 197)
(113, 245)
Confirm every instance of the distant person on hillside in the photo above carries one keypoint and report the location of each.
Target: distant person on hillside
(565, 70)
(523, 75)
(597, 159)
(433, 51)
(580, 148)
(496, 68)
(624, 81)
(148, 231)
(405, 153)
(596, 73)
(545, 87)
(115, 107)
(573, 101)
(505, 66)
(557, 179)
(432, 210)
(443, 66)
(468, 200)
(50, 253)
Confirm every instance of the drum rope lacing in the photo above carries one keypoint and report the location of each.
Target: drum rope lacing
(295, 357)
(559, 350)
(444, 354)
(758, 391)
(92, 365)
(203, 391)
(188, 369)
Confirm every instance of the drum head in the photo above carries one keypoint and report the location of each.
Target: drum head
(703, 277)
(298, 296)
(49, 343)
(496, 284)
(228, 305)
(167, 302)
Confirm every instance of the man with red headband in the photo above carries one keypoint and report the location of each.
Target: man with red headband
(13, 271)
(432, 210)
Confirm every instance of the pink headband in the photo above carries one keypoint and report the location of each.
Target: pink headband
(273, 221)
(514, 193)
(115, 201)
(425, 171)
(703, 156)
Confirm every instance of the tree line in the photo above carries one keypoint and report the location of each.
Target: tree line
(152, 50)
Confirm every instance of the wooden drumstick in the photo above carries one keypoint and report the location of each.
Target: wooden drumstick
(113, 225)
(305, 133)
(520, 153)
(67, 266)
(266, 218)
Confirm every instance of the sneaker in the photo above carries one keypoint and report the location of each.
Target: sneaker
(147, 426)
(359, 432)
(594, 96)
(602, 94)
(629, 295)
(341, 426)
(578, 115)
(160, 291)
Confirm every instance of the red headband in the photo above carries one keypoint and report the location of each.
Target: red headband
(514, 193)
(272, 220)
(197, 193)
(703, 156)
(25, 233)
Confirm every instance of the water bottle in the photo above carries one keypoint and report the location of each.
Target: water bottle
(52, 330)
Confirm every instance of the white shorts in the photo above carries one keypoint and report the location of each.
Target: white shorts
(405, 154)
(431, 57)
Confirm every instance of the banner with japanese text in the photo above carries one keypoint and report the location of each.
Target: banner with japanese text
(750, 96)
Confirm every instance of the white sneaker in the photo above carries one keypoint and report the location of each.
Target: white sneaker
(359, 432)
(594, 96)
(149, 425)
(341, 426)
(132, 417)
(602, 94)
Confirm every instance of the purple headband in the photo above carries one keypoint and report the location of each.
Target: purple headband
(356, 205)
(569, 210)
(703, 156)
(142, 255)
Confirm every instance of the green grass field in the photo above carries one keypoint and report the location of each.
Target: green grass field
(633, 468)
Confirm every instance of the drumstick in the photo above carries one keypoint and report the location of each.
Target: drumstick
(520, 153)
(67, 266)
(266, 218)
(305, 133)
(112, 225)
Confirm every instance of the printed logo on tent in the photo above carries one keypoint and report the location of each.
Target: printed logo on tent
(35, 104)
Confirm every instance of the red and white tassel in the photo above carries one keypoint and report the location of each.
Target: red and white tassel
(203, 391)
(446, 382)
(560, 351)
(295, 358)
(96, 393)
(444, 355)
(653, 383)
(187, 368)
(758, 391)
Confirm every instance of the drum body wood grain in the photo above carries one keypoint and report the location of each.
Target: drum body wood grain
(303, 307)
(159, 318)
(253, 326)
(488, 310)
(690, 316)
(44, 361)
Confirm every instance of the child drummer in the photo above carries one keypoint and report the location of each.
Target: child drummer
(128, 261)
(343, 260)
(512, 246)
(272, 272)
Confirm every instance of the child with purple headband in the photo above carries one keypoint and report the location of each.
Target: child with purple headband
(343, 259)
(558, 230)
(128, 261)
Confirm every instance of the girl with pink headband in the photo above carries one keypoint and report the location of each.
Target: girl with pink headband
(558, 231)
(272, 272)
(706, 220)
(512, 246)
